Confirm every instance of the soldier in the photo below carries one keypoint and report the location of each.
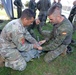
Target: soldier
(72, 12)
(32, 6)
(58, 40)
(18, 3)
(43, 6)
(17, 46)
(72, 19)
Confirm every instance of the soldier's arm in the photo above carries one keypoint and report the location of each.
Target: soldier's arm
(44, 33)
(30, 38)
(20, 41)
(55, 43)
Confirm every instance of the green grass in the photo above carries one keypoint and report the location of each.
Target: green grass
(60, 66)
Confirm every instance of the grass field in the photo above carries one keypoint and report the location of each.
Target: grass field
(65, 65)
(61, 66)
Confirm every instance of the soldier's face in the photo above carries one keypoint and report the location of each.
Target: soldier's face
(28, 22)
(52, 19)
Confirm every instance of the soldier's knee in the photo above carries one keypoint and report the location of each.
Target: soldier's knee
(47, 60)
(20, 64)
(16, 65)
(21, 67)
(50, 56)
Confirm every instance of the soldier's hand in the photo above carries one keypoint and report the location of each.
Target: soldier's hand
(37, 21)
(39, 48)
(35, 46)
(42, 42)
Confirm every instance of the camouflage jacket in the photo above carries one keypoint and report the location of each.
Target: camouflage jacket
(14, 35)
(61, 34)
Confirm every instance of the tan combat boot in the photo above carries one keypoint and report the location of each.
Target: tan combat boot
(64, 52)
(2, 60)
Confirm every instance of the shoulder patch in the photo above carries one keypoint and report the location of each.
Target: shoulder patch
(64, 33)
(22, 40)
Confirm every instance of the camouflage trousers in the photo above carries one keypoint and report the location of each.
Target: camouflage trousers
(51, 55)
(18, 60)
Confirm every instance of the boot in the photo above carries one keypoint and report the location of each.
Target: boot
(2, 60)
(64, 52)
(69, 50)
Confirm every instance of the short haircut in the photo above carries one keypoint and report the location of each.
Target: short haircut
(27, 13)
(53, 8)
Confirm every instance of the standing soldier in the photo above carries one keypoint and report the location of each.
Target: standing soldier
(73, 12)
(72, 18)
(18, 3)
(32, 6)
(74, 15)
(43, 6)
(61, 36)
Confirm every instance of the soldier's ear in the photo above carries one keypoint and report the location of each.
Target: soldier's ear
(25, 19)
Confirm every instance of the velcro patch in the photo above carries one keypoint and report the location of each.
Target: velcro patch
(64, 33)
(22, 40)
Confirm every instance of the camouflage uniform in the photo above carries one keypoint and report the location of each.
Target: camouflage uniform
(58, 40)
(16, 45)
(43, 6)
